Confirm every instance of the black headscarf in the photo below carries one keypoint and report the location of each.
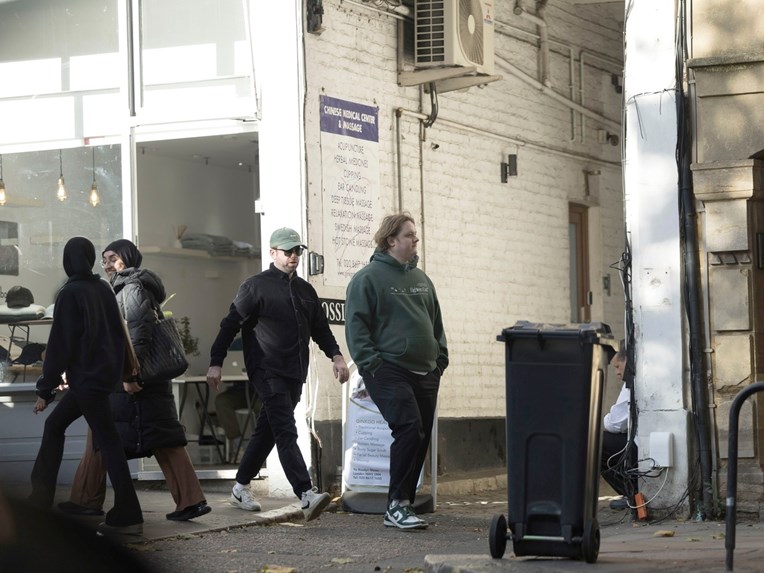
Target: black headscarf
(79, 258)
(126, 251)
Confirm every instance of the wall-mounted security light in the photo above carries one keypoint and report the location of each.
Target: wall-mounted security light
(616, 82)
(315, 263)
(314, 12)
(592, 184)
(509, 169)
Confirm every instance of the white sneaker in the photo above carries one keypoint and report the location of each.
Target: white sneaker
(313, 503)
(244, 500)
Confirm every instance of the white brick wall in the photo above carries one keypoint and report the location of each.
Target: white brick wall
(497, 253)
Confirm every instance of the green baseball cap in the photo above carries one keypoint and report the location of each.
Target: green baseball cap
(286, 239)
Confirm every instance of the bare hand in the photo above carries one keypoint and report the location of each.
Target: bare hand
(132, 387)
(340, 368)
(40, 405)
(214, 377)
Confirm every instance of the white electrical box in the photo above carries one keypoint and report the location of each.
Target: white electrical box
(660, 449)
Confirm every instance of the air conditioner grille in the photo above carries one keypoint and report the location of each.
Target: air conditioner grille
(454, 33)
(430, 32)
(471, 30)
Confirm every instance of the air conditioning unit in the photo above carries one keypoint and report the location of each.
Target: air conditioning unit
(454, 33)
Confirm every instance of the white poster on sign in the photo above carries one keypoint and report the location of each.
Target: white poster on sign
(351, 186)
(367, 442)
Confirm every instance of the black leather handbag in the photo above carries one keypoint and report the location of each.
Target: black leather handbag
(165, 359)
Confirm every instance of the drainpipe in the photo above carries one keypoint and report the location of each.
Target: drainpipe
(399, 182)
(692, 282)
(571, 88)
(705, 314)
(698, 387)
(581, 95)
(544, 40)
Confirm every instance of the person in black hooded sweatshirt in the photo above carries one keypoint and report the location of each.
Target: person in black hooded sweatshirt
(87, 344)
(145, 414)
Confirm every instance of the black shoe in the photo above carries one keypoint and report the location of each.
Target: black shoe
(71, 508)
(190, 512)
(619, 504)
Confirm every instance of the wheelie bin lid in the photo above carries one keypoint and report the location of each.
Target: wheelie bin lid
(590, 332)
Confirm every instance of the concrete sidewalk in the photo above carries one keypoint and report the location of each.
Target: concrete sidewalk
(678, 546)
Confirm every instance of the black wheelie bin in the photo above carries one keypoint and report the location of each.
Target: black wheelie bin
(555, 379)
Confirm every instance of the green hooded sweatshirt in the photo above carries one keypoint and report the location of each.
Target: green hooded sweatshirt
(392, 315)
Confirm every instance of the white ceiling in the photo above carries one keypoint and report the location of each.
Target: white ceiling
(233, 151)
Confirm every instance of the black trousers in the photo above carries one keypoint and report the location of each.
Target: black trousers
(276, 426)
(614, 462)
(407, 401)
(98, 415)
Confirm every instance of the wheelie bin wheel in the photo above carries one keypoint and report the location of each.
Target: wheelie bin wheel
(591, 541)
(498, 536)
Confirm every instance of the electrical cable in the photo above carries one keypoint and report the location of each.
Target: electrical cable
(645, 503)
(433, 106)
(694, 477)
(625, 465)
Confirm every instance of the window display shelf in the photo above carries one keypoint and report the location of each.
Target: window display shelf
(191, 254)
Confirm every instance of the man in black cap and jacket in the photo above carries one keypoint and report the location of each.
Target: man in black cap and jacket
(278, 314)
(86, 343)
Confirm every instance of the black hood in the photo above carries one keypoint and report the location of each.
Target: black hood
(79, 257)
(126, 251)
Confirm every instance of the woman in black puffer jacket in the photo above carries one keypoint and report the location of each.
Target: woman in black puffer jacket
(145, 414)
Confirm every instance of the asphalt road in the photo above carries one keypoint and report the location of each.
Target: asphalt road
(337, 541)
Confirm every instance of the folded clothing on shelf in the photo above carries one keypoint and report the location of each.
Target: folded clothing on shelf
(31, 312)
(217, 245)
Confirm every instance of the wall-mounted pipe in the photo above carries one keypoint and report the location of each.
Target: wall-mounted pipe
(520, 74)
(581, 95)
(590, 55)
(543, 70)
(400, 12)
(442, 122)
(572, 90)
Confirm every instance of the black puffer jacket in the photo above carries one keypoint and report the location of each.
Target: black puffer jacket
(147, 419)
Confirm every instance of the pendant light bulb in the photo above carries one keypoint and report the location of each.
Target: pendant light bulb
(2, 184)
(94, 199)
(61, 192)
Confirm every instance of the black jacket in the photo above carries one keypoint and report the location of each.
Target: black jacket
(278, 316)
(87, 340)
(139, 294)
(147, 419)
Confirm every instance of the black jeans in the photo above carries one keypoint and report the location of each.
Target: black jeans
(98, 415)
(276, 426)
(612, 466)
(407, 401)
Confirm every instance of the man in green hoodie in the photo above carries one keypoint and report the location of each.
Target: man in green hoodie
(396, 337)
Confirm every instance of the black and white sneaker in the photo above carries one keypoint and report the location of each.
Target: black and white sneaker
(244, 500)
(403, 517)
(313, 503)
